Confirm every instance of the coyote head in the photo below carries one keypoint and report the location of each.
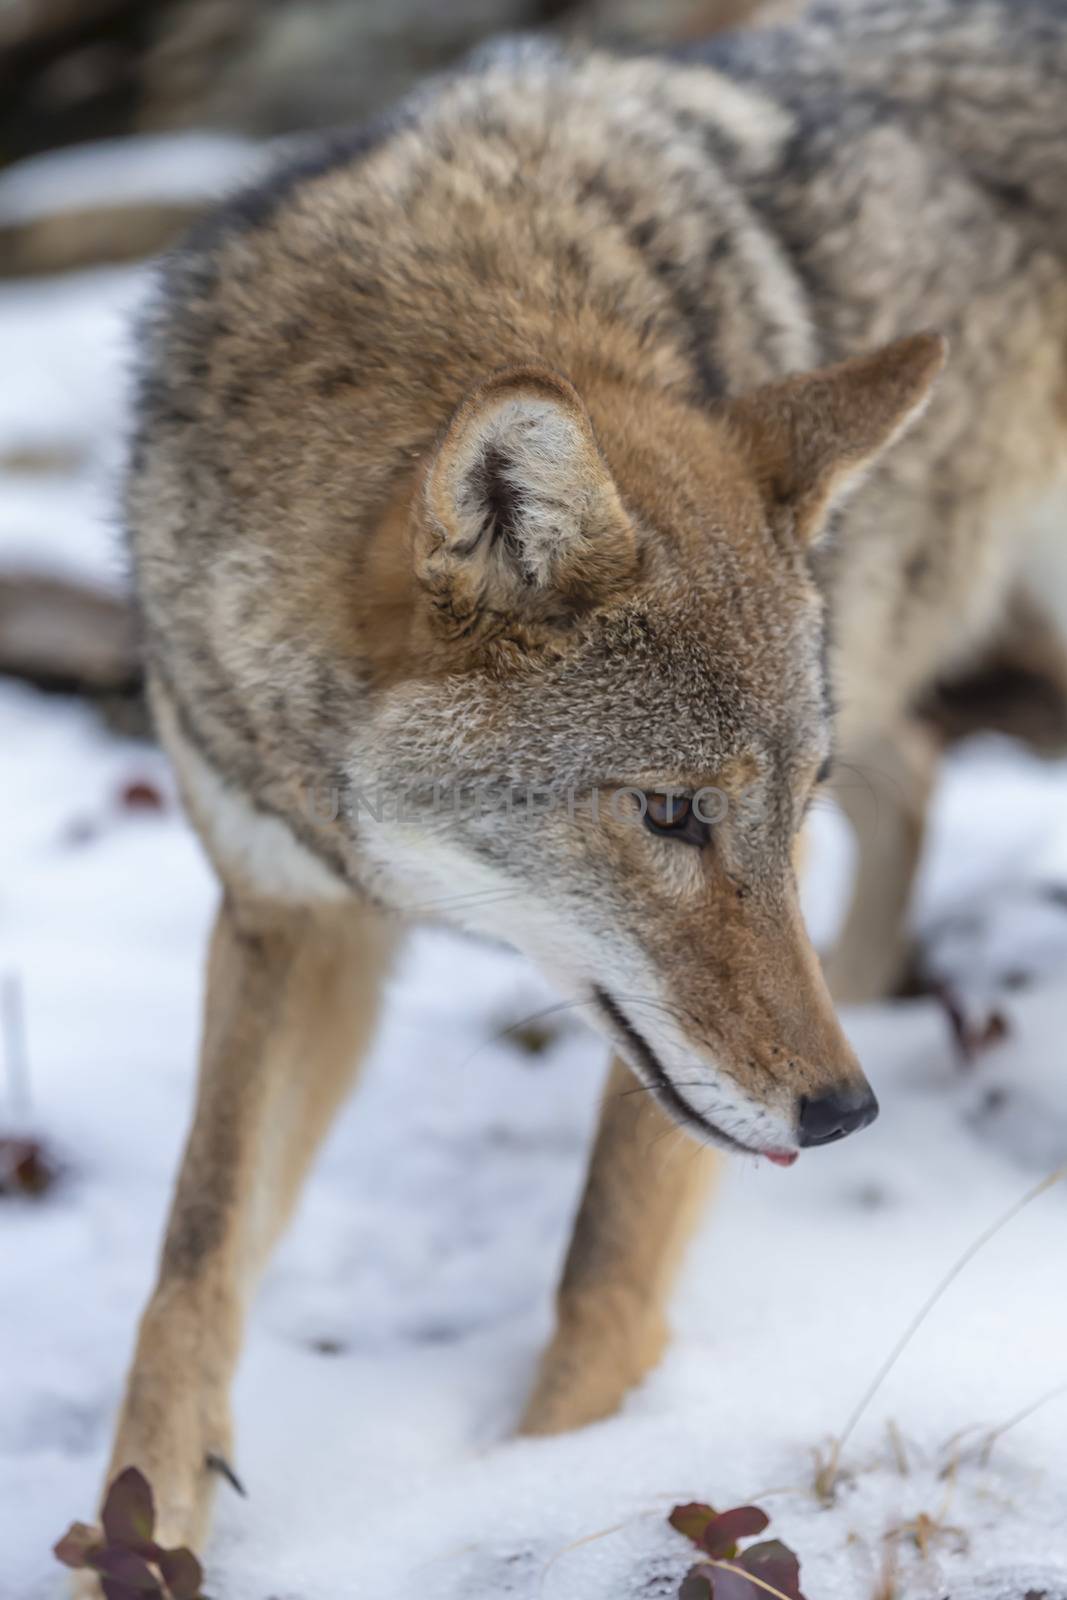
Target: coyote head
(607, 711)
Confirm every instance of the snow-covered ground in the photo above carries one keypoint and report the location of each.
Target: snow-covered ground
(397, 1330)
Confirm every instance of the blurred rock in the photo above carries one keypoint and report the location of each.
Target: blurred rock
(59, 634)
(99, 235)
(1018, 687)
(72, 70)
(67, 638)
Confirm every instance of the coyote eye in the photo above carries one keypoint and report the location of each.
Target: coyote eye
(672, 817)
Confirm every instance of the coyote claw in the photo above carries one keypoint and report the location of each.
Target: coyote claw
(219, 1464)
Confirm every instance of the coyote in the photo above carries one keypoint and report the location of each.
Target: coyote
(505, 446)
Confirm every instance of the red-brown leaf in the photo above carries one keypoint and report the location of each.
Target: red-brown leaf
(732, 1584)
(126, 1576)
(722, 1532)
(698, 1584)
(692, 1519)
(776, 1565)
(129, 1514)
(182, 1572)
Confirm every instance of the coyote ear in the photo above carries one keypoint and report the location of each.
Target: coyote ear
(520, 514)
(811, 438)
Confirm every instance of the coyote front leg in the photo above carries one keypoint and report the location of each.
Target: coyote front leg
(642, 1201)
(884, 794)
(292, 999)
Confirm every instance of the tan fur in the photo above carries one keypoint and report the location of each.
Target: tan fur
(884, 794)
(643, 1197)
(508, 446)
(292, 1000)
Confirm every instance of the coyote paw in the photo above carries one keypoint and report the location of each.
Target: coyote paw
(124, 1551)
(586, 1374)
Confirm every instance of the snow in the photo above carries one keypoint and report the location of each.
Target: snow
(397, 1329)
(174, 166)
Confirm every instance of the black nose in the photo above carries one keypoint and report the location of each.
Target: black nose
(835, 1115)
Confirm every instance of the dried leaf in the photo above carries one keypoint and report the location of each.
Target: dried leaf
(141, 794)
(26, 1169)
(532, 1038)
(77, 1544)
(975, 1031)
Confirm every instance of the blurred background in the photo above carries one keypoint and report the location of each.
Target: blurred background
(120, 121)
(413, 1292)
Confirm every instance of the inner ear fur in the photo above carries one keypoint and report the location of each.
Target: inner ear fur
(519, 512)
(809, 439)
